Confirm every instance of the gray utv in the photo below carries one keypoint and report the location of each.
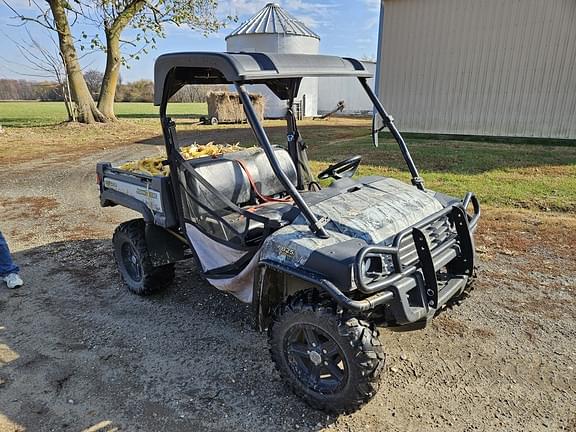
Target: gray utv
(322, 267)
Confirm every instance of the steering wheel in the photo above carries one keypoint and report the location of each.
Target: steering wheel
(345, 168)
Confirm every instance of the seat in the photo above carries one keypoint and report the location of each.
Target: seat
(237, 181)
(278, 212)
(279, 215)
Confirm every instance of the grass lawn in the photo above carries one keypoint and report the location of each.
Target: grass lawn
(537, 175)
(31, 114)
(505, 175)
(534, 175)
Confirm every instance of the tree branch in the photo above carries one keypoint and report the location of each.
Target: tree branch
(124, 17)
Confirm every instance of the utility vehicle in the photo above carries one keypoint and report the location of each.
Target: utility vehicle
(322, 267)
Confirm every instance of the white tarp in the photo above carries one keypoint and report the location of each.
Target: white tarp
(213, 255)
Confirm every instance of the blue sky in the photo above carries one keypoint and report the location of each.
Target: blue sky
(347, 28)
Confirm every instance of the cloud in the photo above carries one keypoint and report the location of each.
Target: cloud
(309, 21)
(301, 6)
(373, 7)
(240, 7)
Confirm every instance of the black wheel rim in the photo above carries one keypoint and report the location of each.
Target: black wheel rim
(131, 262)
(315, 358)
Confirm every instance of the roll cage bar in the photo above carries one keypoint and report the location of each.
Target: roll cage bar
(282, 73)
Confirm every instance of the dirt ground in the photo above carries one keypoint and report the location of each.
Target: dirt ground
(79, 352)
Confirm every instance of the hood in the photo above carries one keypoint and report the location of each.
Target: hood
(371, 211)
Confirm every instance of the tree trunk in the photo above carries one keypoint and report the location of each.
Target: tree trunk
(69, 103)
(113, 56)
(69, 109)
(87, 112)
(111, 74)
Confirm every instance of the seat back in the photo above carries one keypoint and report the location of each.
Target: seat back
(229, 178)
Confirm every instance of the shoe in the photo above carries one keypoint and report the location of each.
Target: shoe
(13, 280)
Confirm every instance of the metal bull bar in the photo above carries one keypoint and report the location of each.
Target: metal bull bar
(458, 250)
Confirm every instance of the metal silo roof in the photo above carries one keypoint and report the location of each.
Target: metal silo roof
(272, 19)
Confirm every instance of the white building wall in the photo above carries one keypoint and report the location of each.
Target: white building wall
(334, 89)
(490, 67)
(280, 43)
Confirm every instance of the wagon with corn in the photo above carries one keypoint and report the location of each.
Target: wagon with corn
(226, 107)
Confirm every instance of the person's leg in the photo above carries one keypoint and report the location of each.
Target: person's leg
(7, 266)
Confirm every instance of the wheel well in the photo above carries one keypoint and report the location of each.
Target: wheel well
(163, 246)
(272, 288)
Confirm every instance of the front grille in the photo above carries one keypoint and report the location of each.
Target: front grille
(437, 232)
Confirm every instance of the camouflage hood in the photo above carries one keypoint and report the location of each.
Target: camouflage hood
(373, 212)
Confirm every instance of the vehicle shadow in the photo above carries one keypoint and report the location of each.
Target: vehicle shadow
(77, 350)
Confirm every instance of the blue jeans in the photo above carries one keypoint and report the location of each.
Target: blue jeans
(7, 266)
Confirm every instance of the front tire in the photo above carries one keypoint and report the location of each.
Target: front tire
(330, 361)
(133, 260)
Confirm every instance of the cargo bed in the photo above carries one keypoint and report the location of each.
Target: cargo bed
(150, 196)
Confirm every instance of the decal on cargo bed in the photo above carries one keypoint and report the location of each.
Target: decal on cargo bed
(147, 193)
(149, 197)
(110, 184)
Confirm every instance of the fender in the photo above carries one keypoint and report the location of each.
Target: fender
(110, 196)
(267, 293)
(164, 246)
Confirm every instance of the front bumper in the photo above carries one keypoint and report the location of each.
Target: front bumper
(432, 262)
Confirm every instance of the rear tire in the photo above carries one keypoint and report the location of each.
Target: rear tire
(332, 362)
(133, 260)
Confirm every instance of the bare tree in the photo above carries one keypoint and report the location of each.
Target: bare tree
(93, 79)
(43, 61)
(55, 18)
(196, 93)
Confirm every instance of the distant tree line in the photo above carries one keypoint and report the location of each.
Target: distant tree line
(136, 91)
(30, 90)
(121, 30)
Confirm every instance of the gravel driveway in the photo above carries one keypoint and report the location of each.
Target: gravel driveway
(79, 352)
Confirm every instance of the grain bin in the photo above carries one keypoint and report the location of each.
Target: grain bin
(274, 30)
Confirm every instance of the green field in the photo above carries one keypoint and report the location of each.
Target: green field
(530, 174)
(30, 114)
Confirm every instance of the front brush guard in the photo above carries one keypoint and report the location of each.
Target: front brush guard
(457, 252)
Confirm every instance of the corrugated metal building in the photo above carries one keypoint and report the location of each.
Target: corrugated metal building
(480, 67)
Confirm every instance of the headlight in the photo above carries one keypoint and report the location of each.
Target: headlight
(377, 266)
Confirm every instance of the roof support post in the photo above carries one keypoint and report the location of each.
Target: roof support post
(315, 225)
(389, 123)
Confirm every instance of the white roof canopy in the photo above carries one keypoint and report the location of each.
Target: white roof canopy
(174, 70)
